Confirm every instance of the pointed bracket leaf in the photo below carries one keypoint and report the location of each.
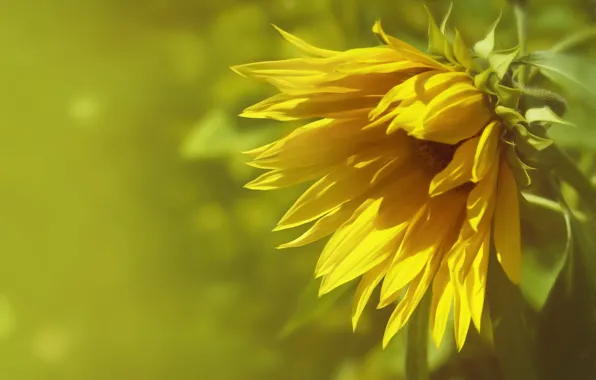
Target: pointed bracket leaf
(461, 51)
(501, 61)
(436, 39)
(486, 46)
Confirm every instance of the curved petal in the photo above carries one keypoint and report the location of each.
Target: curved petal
(506, 227)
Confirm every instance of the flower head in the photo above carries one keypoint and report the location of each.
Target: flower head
(410, 176)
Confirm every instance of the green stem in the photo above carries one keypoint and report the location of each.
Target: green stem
(566, 169)
(522, 35)
(417, 341)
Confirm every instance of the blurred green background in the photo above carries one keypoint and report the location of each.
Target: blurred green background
(130, 249)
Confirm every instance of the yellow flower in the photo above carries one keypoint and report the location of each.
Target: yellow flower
(411, 176)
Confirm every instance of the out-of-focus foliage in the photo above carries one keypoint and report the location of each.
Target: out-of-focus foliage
(130, 249)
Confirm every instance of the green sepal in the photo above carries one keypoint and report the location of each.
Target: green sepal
(486, 46)
(528, 143)
(436, 39)
(446, 19)
(461, 51)
(508, 96)
(518, 168)
(501, 61)
(545, 114)
(486, 81)
(510, 116)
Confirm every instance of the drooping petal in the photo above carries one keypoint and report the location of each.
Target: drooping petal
(506, 226)
(336, 140)
(475, 282)
(423, 86)
(355, 177)
(304, 46)
(367, 285)
(458, 171)
(486, 152)
(405, 49)
(457, 114)
(424, 237)
(412, 298)
(461, 317)
(481, 200)
(277, 179)
(326, 224)
(441, 303)
(378, 220)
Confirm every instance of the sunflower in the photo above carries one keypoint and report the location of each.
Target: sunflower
(409, 170)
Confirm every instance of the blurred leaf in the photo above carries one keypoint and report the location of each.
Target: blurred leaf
(310, 306)
(575, 73)
(216, 136)
(567, 329)
(513, 341)
(485, 46)
(575, 40)
(213, 136)
(543, 259)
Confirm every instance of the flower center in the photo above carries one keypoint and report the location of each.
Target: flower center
(436, 155)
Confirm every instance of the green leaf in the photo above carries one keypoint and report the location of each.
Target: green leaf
(501, 61)
(543, 259)
(512, 333)
(436, 39)
(510, 116)
(575, 40)
(486, 81)
(545, 114)
(461, 51)
(213, 136)
(310, 306)
(572, 72)
(446, 19)
(417, 341)
(508, 97)
(529, 143)
(518, 168)
(486, 46)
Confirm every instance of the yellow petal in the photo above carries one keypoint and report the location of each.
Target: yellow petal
(373, 249)
(367, 285)
(457, 114)
(277, 179)
(506, 225)
(461, 317)
(344, 183)
(391, 206)
(475, 282)
(481, 200)
(486, 152)
(458, 171)
(325, 141)
(441, 303)
(430, 227)
(380, 67)
(348, 235)
(403, 91)
(406, 306)
(325, 225)
(405, 49)
(304, 46)
(409, 117)
(284, 107)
